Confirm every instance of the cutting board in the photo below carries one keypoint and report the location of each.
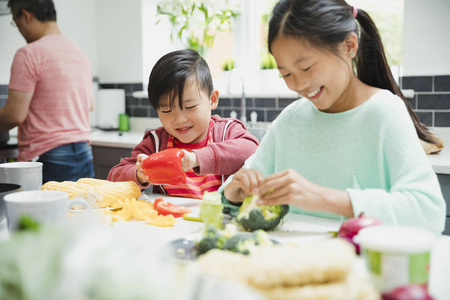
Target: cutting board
(110, 103)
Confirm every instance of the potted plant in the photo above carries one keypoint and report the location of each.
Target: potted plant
(195, 22)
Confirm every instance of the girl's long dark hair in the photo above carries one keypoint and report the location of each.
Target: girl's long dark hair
(325, 24)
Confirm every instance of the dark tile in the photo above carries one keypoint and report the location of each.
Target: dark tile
(272, 114)
(131, 101)
(425, 117)
(140, 112)
(442, 83)
(137, 87)
(128, 87)
(265, 102)
(433, 101)
(224, 102)
(153, 113)
(225, 113)
(442, 119)
(3, 89)
(412, 102)
(261, 114)
(218, 111)
(283, 102)
(108, 86)
(236, 102)
(418, 83)
(250, 102)
(129, 110)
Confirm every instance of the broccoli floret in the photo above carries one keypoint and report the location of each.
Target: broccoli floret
(262, 238)
(210, 238)
(252, 216)
(240, 243)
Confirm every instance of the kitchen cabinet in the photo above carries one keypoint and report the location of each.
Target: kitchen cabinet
(107, 157)
(444, 180)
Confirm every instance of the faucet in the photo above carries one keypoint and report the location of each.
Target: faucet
(243, 101)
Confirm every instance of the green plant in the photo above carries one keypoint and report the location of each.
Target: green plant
(228, 64)
(268, 62)
(196, 22)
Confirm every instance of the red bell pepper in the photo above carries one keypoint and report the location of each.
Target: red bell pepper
(165, 167)
(166, 208)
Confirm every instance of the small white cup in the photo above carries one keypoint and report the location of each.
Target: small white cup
(46, 207)
(26, 174)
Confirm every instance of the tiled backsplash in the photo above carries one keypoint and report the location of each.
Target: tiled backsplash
(431, 101)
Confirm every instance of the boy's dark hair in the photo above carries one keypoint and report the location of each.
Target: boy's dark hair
(325, 24)
(171, 73)
(43, 10)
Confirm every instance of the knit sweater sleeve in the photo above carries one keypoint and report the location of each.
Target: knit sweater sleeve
(412, 195)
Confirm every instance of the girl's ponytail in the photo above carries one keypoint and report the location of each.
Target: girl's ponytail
(372, 69)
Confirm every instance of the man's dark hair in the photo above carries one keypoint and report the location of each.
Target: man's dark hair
(171, 73)
(43, 10)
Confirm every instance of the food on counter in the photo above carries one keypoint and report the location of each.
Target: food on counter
(323, 270)
(229, 239)
(211, 209)
(252, 216)
(350, 228)
(165, 167)
(140, 210)
(166, 208)
(99, 193)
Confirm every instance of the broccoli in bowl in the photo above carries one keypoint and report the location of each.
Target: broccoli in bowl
(252, 216)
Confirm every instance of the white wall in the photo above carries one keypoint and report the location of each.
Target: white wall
(426, 37)
(119, 40)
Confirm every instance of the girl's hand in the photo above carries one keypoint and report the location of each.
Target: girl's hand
(244, 183)
(141, 177)
(189, 161)
(289, 187)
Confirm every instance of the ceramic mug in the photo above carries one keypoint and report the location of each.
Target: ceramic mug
(45, 207)
(26, 174)
(6, 188)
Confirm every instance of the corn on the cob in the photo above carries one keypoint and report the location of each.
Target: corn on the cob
(99, 193)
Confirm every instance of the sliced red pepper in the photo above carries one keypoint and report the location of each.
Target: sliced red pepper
(166, 208)
(165, 167)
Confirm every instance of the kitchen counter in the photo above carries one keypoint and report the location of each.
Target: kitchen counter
(441, 160)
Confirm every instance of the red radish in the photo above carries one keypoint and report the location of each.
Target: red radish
(352, 226)
(409, 292)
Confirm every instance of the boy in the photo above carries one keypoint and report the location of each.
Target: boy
(180, 89)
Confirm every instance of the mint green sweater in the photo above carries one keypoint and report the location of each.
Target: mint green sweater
(371, 151)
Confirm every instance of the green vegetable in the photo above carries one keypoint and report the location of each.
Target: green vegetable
(252, 216)
(211, 238)
(211, 209)
(230, 240)
(28, 223)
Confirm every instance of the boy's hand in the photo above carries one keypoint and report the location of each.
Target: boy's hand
(189, 161)
(141, 177)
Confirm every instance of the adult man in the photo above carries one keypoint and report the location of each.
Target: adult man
(50, 95)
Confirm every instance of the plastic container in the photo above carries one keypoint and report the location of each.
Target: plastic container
(396, 255)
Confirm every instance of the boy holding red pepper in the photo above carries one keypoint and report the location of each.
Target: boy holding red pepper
(180, 89)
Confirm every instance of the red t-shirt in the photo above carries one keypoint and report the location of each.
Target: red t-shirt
(59, 75)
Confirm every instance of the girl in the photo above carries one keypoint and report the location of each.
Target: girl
(350, 145)
(180, 89)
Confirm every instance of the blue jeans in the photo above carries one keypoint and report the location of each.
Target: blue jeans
(68, 162)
